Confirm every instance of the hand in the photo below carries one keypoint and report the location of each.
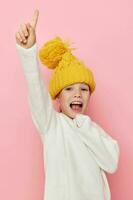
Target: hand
(26, 35)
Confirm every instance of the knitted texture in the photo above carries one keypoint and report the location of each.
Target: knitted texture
(56, 54)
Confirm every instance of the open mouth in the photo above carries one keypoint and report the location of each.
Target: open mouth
(76, 106)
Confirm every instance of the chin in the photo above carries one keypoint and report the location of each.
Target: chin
(73, 114)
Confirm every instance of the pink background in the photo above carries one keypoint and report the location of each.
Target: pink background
(103, 33)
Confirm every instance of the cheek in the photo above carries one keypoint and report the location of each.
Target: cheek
(64, 97)
(86, 99)
(63, 102)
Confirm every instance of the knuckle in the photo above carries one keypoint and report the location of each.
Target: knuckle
(22, 35)
(17, 35)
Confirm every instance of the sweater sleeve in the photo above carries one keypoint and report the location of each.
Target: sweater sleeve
(103, 148)
(40, 102)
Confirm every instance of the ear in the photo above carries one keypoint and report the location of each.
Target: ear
(58, 98)
(58, 102)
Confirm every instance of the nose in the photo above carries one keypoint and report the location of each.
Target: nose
(77, 93)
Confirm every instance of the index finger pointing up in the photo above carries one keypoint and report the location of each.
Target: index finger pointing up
(34, 19)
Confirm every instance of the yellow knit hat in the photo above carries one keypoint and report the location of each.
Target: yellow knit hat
(56, 54)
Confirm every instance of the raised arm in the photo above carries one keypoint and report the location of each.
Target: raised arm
(42, 111)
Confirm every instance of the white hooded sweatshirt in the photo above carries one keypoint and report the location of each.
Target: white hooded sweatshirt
(77, 152)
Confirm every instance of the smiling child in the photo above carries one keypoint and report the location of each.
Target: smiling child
(77, 151)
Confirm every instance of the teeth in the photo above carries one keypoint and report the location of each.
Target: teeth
(76, 102)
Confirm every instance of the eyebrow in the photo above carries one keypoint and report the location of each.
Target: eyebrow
(84, 85)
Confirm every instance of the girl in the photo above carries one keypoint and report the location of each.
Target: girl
(78, 152)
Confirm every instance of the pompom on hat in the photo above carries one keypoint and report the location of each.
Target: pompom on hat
(56, 54)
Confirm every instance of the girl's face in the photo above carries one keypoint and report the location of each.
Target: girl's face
(74, 99)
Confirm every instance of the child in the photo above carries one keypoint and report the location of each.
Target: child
(78, 152)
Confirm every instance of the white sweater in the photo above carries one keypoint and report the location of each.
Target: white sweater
(77, 152)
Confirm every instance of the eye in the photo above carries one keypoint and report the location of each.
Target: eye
(84, 89)
(69, 88)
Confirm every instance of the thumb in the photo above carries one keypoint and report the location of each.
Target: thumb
(29, 27)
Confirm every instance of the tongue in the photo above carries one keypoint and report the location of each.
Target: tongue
(76, 108)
